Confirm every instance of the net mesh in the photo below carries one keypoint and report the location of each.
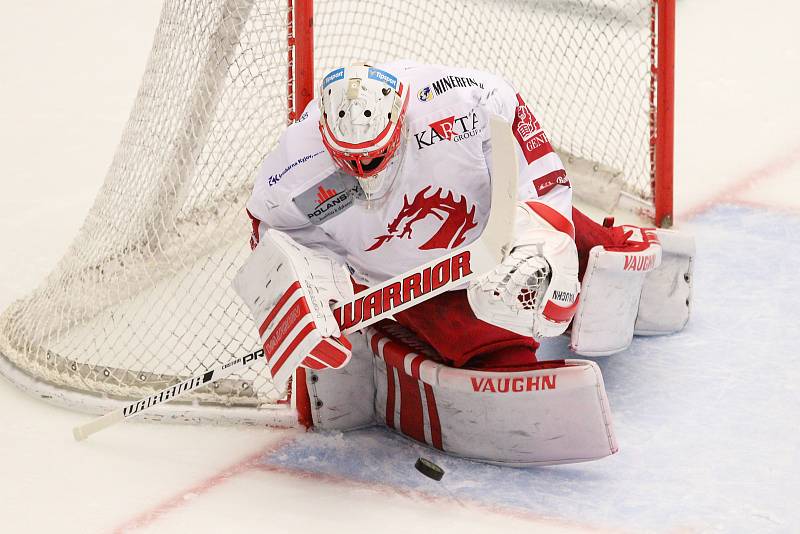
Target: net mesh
(142, 299)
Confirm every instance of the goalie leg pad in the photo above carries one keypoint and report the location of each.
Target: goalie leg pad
(557, 413)
(666, 300)
(610, 292)
(344, 399)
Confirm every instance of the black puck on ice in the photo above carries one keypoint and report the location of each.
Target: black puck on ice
(429, 469)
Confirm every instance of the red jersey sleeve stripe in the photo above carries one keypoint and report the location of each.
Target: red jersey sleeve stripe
(255, 237)
(553, 217)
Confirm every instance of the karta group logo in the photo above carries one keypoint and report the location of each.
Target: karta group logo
(450, 128)
(456, 220)
(425, 94)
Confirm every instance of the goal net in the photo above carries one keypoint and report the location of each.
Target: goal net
(142, 299)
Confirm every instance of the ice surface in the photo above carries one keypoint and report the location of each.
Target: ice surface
(708, 420)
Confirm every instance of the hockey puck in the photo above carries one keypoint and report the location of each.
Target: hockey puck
(429, 469)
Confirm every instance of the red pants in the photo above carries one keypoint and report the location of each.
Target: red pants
(447, 323)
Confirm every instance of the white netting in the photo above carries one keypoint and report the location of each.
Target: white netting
(143, 299)
(583, 66)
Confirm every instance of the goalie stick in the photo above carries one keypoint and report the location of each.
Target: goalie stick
(382, 300)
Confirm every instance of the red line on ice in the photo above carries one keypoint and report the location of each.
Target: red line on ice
(423, 496)
(254, 462)
(730, 193)
(181, 499)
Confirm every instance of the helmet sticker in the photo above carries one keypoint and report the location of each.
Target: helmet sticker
(332, 76)
(361, 120)
(382, 76)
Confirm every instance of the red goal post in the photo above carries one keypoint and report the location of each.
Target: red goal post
(301, 86)
(141, 300)
(662, 132)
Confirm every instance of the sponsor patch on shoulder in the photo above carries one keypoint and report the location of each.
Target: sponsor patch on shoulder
(547, 182)
(273, 179)
(331, 197)
(530, 136)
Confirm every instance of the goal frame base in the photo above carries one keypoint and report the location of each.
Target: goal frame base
(278, 415)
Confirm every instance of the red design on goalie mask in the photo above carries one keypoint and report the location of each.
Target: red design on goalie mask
(457, 220)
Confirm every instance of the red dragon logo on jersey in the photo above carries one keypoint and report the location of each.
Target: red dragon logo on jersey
(457, 220)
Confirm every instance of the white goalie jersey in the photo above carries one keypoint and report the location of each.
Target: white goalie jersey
(440, 196)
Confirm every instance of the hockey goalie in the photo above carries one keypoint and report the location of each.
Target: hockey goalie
(390, 169)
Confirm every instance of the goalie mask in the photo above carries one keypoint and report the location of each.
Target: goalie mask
(362, 109)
